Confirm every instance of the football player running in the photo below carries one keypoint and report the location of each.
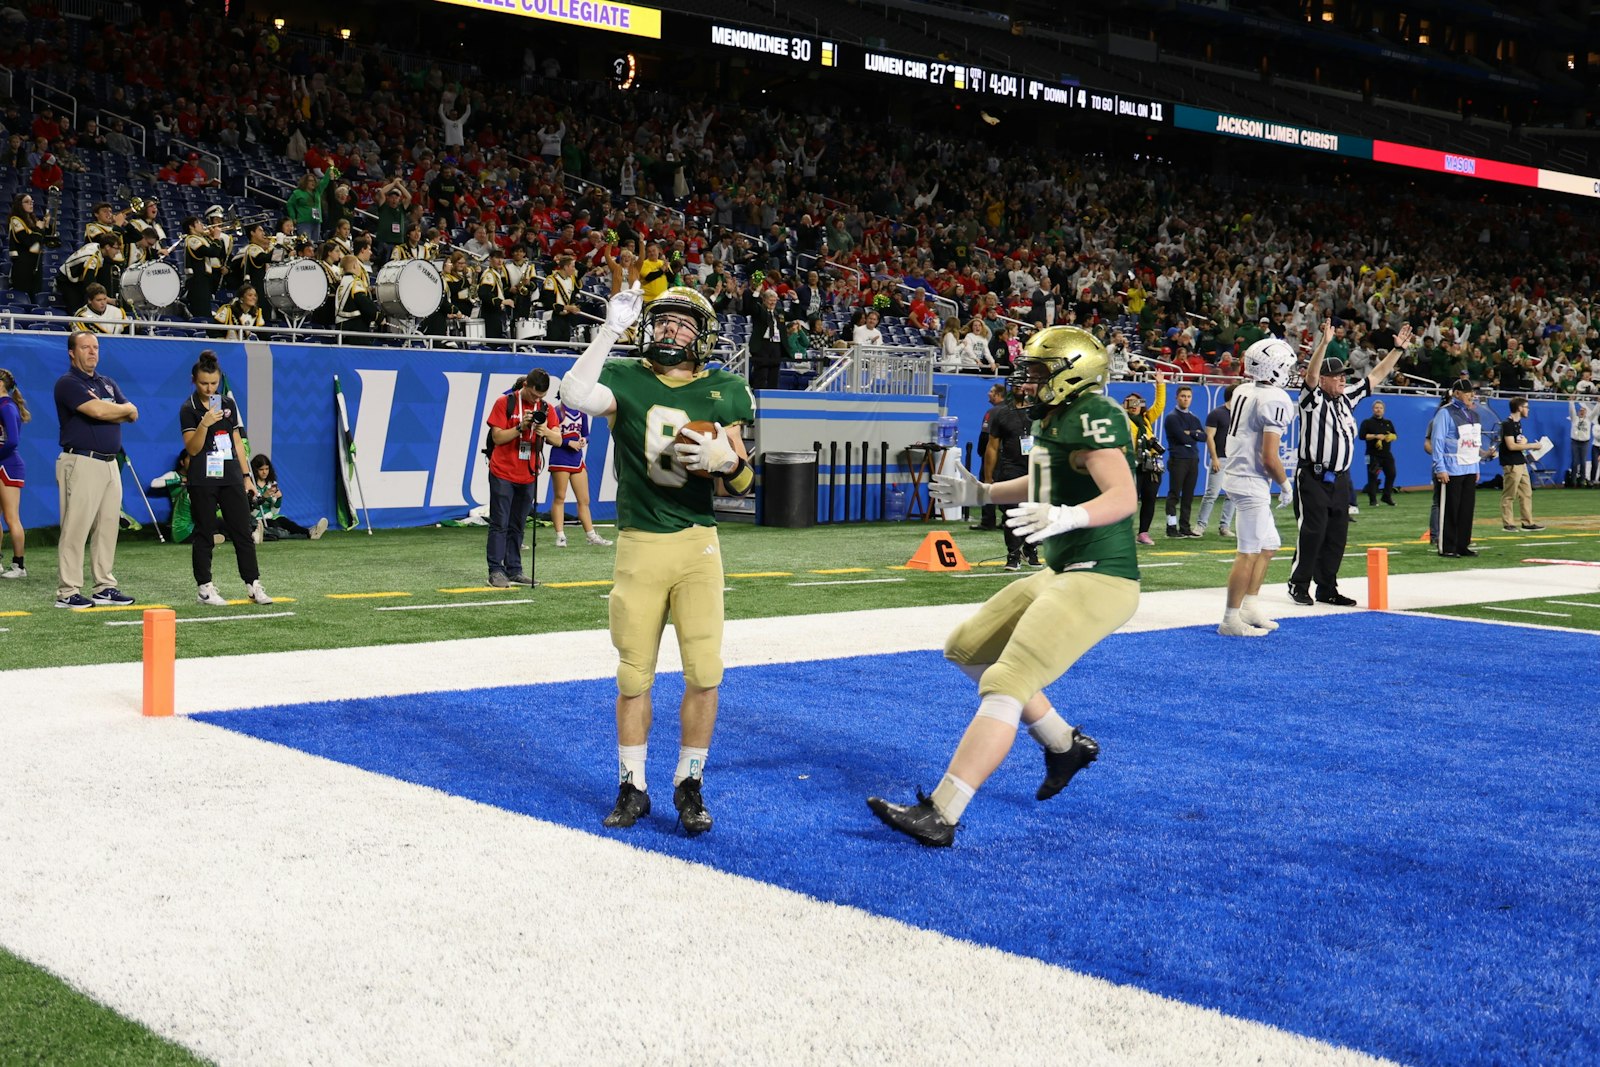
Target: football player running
(1077, 499)
(1259, 414)
(668, 557)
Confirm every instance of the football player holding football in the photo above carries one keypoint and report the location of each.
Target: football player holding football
(1075, 502)
(1259, 417)
(668, 557)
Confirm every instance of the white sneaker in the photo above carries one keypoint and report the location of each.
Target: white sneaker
(319, 529)
(561, 540)
(1240, 629)
(1260, 622)
(595, 539)
(256, 593)
(14, 571)
(207, 594)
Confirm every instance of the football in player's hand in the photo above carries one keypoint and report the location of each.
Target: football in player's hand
(698, 426)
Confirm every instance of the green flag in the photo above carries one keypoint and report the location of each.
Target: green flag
(348, 487)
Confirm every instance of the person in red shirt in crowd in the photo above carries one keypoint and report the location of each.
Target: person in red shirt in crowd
(520, 423)
(921, 312)
(188, 120)
(1192, 362)
(169, 171)
(539, 218)
(47, 173)
(1228, 364)
(192, 173)
(46, 125)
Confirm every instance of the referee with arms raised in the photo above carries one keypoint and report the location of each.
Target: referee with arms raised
(1323, 493)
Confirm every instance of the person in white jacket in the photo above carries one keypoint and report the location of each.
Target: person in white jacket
(1583, 417)
(455, 129)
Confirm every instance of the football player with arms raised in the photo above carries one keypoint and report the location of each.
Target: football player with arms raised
(1259, 416)
(668, 557)
(1077, 499)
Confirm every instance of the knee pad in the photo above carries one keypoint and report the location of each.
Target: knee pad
(633, 681)
(1002, 709)
(702, 664)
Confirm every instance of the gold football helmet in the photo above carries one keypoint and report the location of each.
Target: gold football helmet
(1065, 362)
(670, 351)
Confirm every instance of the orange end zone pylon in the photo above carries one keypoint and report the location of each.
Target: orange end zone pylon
(1378, 579)
(160, 651)
(938, 552)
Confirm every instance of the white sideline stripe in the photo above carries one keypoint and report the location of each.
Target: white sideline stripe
(1143, 566)
(211, 618)
(463, 604)
(1574, 603)
(1548, 544)
(1529, 611)
(851, 581)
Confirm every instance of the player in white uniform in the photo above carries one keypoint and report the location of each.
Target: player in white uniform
(1260, 414)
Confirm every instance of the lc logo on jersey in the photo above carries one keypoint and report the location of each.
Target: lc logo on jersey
(417, 442)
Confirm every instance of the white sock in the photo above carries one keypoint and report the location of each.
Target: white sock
(691, 763)
(1231, 614)
(630, 759)
(1052, 732)
(1251, 605)
(950, 798)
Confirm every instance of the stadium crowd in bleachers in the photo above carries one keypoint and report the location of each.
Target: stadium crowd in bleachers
(869, 232)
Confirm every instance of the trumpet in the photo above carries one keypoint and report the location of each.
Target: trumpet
(236, 225)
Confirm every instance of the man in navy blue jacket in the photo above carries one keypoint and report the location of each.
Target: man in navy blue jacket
(1185, 435)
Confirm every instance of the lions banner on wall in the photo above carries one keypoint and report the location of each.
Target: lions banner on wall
(417, 425)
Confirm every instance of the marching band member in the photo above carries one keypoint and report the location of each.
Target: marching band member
(105, 220)
(354, 308)
(99, 261)
(243, 311)
(494, 296)
(100, 315)
(202, 245)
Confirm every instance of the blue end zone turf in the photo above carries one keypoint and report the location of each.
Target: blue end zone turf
(1375, 830)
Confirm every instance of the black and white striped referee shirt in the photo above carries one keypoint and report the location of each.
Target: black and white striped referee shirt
(1328, 428)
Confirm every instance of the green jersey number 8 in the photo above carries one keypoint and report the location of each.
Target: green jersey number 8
(661, 425)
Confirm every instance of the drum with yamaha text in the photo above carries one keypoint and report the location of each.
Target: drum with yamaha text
(297, 287)
(151, 288)
(409, 288)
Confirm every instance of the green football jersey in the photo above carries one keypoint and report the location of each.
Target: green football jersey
(1089, 422)
(654, 491)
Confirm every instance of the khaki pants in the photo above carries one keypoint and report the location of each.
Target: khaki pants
(1515, 486)
(1034, 629)
(91, 501)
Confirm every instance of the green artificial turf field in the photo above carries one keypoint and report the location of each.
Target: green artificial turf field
(336, 587)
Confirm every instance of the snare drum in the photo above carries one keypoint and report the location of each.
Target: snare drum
(409, 288)
(472, 329)
(151, 287)
(529, 328)
(296, 287)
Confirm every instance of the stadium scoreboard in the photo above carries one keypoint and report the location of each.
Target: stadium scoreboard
(823, 55)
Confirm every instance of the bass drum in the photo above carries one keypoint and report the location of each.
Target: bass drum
(297, 287)
(473, 329)
(409, 289)
(530, 329)
(151, 288)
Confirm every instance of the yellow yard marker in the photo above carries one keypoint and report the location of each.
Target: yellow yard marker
(845, 570)
(275, 600)
(481, 589)
(361, 596)
(132, 607)
(14, 614)
(763, 574)
(573, 585)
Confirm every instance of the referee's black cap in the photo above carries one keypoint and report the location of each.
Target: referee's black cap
(1333, 367)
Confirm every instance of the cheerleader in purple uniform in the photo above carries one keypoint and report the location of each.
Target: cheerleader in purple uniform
(567, 467)
(13, 413)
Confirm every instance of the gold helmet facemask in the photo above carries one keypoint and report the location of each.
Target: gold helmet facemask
(1064, 362)
(683, 301)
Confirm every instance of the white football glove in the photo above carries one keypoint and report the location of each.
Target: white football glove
(622, 310)
(711, 451)
(957, 489)
(1286, 495)
(1035, 522)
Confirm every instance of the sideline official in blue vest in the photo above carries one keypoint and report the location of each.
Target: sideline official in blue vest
(1458, 448)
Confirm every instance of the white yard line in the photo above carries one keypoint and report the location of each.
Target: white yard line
(470, 604)
(1528, 611)
(212, 618)
(851, 581)
(1574, 603)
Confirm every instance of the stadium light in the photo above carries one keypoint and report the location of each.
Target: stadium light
(277, 24)
(344, 34)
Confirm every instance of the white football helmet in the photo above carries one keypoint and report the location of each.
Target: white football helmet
(1270, 361)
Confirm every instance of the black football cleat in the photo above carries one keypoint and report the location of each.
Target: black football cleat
(1336, 598)
(692, 813)
(1059, 767)
(1300, 595)
(632, 805)
(919, 821)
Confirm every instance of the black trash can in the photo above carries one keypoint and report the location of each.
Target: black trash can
(789, 489)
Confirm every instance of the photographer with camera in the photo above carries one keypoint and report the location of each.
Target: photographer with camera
(520, 424)
(1150, 452)
(218, 479)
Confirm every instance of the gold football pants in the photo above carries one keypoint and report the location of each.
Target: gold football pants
(660, 575)
(1034, 629)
